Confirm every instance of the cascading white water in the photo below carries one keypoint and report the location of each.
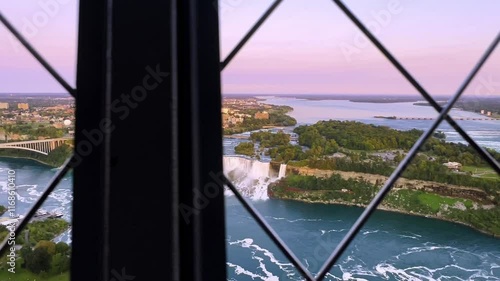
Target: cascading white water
(251, 177)
(282, 172)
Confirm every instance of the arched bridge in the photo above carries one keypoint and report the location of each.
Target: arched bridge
(39, 146)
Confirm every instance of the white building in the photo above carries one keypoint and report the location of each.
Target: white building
(453, 165)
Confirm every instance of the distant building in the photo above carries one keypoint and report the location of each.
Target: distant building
(225, 110)
(4, 105)
(453, 165)
(338, 155)
(261, 115)
(482, 111)
(23, 106)
(489, 113)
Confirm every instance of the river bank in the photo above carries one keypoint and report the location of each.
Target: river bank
(54, 159)
(29, 158)
(467, 206)
(382, 207)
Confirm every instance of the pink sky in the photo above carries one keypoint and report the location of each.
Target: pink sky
(307, 46)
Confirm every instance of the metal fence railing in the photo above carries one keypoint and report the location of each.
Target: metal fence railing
(67, 164)
(443, 115)
(363, 218)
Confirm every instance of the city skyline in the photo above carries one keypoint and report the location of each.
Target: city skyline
(303, 48)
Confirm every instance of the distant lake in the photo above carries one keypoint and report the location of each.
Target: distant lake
(390, 246)
(486, 133)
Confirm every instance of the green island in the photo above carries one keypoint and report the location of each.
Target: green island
(265, 139)
(37, 257)
(347, 162)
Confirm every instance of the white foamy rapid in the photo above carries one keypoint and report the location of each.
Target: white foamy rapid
(263, 256)
(282, 172)
(251, 177)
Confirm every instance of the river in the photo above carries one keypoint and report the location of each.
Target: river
(31, 180)
(485, 133)
(390, 247)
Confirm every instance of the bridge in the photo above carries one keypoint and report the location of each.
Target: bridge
(39, 146)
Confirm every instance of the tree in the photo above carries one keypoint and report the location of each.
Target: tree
(60, 263)
(62, 248)
(245, 148)
(26, 255)
(49, 245)
(39, 261)
(309, 136)
(8, 131)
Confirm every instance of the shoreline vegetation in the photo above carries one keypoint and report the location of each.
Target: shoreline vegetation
(54, 159)
(383, 207)
(411, 197)
(38, 257)
(491, 105)
(347, 162)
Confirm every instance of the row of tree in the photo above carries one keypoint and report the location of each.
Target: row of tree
(356, 136)
(32, 132)
(324, 138)
(269, 139)
(245, 148)
(39, 254)
(332, 188)
(419, 169)
(46, 258)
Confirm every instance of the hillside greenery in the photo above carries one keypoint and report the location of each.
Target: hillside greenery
(39, 257)
(268, 139)
(34, 131)
(358, 142)
(335, 189)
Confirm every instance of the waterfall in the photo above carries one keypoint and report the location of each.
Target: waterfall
(282, 172)
(250, 177)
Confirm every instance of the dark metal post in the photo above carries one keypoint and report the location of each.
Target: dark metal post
(87, 261)
(200, 141)
(141, 190)
(149, 97)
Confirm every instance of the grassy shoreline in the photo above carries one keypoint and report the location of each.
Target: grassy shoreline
(472, 211)
(387, 209)
(23, 274)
